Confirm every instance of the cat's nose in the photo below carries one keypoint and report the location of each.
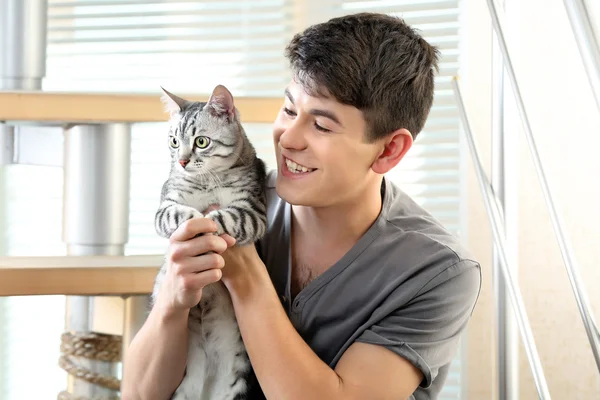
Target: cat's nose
(183, 163)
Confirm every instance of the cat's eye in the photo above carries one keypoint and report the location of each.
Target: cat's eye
(173, 142)
(202, 142)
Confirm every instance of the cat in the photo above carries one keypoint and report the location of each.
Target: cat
(213, 163)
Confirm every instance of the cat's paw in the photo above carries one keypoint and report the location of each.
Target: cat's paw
(216, 217)
(195, 214)
(185, 214)
(171, 217)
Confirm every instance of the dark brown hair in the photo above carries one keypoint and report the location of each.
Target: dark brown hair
(374, 62)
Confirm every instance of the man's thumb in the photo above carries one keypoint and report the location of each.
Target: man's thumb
(230, 240)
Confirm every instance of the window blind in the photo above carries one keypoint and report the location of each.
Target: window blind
(188, 47)
(430, 172)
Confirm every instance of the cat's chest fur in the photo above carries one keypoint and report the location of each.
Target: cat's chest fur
(216, 359)
(209, 196)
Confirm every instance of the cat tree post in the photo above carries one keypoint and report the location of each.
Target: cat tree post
(96, 222)
(22, 56)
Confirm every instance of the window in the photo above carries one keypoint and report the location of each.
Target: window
(188, 46)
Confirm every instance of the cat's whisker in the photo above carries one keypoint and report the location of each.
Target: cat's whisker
(218, 185)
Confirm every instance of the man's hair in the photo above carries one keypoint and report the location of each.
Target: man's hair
(374, 62)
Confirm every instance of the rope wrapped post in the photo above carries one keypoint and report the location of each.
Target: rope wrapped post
(90, 346)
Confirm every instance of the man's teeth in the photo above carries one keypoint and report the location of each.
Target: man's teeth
(296, 168)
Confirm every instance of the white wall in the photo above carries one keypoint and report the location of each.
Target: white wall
(566, 125)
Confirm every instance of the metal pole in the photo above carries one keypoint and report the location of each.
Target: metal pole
(507, 345)
(22, 56)
(565, 248)
(96, 220)
(493, 208)
(587, 42)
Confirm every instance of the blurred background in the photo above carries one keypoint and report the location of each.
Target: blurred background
(188, 47)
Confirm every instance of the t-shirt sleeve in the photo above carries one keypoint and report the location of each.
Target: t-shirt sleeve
(426, 331)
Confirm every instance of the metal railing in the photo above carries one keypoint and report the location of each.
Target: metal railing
(495, 213)
(587, 42)
(590, 52)
(565, 247)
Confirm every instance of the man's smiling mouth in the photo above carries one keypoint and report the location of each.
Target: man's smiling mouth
(297, 168)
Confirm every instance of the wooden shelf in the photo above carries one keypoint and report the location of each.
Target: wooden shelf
(78, 275)
(20, 106)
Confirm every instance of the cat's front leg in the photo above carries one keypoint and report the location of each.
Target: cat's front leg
(245, 224)
(170, 215)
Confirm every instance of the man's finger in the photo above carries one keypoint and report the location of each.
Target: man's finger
(194, 265)
(197, 246)
(192, 228)
(204, 278)
(229, 240)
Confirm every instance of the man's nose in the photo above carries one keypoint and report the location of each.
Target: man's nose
(292, 136)
(183, 163)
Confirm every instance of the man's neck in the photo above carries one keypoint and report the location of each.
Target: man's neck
(340, 224)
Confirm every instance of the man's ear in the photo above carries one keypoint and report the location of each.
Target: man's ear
(393, 149)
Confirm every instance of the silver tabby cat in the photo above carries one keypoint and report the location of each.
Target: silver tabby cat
(213, 163)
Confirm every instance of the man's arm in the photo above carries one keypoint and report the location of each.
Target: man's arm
(286, 366)
(156, 358)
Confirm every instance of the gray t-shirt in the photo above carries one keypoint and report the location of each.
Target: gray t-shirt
(407, 285)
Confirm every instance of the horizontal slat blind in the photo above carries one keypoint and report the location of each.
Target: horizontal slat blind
(189, 47)
(430, 172)
(30, 338)
(30, 327)
(33, 210)
(186, 46)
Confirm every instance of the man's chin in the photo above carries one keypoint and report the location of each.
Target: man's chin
(292, 195)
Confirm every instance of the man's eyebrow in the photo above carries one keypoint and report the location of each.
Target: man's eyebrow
(289, 95)
(326, 114)
(317, 112)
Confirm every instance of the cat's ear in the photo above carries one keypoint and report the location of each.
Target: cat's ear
(220, 102)
(173, 104)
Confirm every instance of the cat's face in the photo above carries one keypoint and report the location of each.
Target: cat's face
(203, 138)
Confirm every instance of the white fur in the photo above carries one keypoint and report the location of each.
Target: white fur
(198, 201)
(212, 362)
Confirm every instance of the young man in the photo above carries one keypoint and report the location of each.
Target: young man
(355, 292)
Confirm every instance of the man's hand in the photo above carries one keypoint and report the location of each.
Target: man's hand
(241, 263)
(157, 356)
(193, 262)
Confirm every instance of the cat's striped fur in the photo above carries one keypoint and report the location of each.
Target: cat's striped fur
(213, 163)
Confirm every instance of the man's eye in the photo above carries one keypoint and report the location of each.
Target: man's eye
(320, 128)
(289, 112)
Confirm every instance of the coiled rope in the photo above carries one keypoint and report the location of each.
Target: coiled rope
(93, 346)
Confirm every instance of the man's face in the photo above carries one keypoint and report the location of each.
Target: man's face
(322, 156)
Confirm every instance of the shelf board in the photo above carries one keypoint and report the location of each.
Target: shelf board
(65, 108)
(78, 275)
